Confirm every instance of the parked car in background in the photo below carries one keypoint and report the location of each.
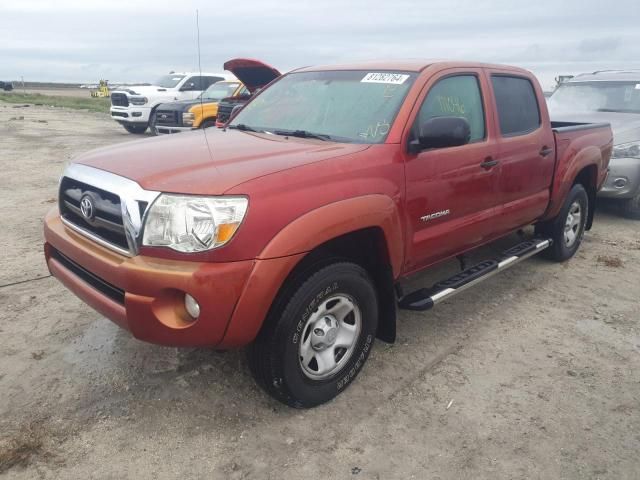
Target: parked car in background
(200, 112)
(6, 86)
(294, 229)
(132, 106)
(254, 74)
(613, 97)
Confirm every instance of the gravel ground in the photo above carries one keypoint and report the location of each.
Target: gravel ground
(533, 374)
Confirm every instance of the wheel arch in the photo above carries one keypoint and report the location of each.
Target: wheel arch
(366, 230)
(588, 178)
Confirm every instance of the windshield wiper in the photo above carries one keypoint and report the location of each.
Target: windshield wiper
(303, 134)
(243, 127)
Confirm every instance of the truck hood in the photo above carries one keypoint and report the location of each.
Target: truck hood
(253, 73)
(211, 161)
(625, 126)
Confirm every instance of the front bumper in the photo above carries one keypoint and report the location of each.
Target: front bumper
(164, 129)
(130, 114)
(145, 295)
(623, 180)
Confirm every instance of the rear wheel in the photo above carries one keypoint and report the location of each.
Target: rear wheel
(317, 336)
(567, 229)
(631, 207)
(131, 128)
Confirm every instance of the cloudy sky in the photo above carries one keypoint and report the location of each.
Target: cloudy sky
(136, 40)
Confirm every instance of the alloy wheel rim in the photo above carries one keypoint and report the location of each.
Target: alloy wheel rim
(329, 337)
(573, 224)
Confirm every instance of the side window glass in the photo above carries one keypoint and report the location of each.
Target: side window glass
(186, 85)
(517, 105)
(208, 81)
(457, 96)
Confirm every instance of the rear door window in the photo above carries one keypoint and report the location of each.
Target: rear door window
(517, 104)
(456, 96)
(208, 81)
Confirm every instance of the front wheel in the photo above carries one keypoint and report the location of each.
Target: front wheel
(631, 207)
(211, 122)
(152, 124)
(131, 128)
(317, 336)
(567, 229)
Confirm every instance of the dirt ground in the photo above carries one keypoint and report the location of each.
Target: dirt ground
(533, 374)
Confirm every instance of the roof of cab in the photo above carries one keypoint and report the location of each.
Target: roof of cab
(410, 65)
(607, 76)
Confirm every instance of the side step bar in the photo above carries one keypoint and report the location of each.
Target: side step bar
(426, 298)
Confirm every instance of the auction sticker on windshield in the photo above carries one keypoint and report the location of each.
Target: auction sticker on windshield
(392, 78)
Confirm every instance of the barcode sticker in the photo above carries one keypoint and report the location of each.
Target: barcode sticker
(385, 77)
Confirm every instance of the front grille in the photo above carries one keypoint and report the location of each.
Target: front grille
(224, 111)
(168, 118)
(111, 291)
(104, 220)
(119, 100)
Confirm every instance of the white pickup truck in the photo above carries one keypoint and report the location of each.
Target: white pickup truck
(132, 106)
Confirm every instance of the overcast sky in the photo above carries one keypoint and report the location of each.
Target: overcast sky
(137, 40)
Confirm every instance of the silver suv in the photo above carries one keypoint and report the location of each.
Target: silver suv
(613, 97)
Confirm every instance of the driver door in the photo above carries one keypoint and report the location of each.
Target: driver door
(452, 192)
(191, 88)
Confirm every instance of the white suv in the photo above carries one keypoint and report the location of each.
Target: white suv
(132, 106)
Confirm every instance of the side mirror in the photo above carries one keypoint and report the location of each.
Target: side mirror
(441, 132)
(187, 87)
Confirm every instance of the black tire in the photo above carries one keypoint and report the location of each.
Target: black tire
(208, 123)
(138, 129)
(152, 124)
(274, 357)
(555, 229)
(631, 207)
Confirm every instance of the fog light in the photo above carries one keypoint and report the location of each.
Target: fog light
(191, 305)
(620, 182)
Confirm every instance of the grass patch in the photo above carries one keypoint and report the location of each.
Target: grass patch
(22, 448)
(100, 105)
(610, 261)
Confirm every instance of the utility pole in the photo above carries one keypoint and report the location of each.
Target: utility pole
(24, 90)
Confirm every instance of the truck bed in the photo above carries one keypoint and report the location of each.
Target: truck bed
(562, 127)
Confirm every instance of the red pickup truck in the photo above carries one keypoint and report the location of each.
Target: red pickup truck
(292, 230)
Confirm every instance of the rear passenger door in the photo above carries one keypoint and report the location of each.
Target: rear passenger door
(525, 149)
(451, 192)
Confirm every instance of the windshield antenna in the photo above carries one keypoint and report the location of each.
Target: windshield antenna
(199, 62)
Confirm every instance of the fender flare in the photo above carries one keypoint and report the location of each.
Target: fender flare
(340, 218)
(564, 179)
(290, 246)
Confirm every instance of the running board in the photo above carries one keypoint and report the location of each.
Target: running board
(426, 298)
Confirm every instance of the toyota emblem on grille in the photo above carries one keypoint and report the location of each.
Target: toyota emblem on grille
(86, 207)
(164, 115)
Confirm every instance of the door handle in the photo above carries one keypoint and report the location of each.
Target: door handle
(489, 163)
(546, 151)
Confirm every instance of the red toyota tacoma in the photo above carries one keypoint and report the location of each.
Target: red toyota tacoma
(292, 230)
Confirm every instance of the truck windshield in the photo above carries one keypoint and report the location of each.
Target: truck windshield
(168, 81)
(218, 91)
(342, 106)
(602, 96)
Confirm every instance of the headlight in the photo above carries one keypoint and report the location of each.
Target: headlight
(193, 223)
(627, 150)
(188, 118)
(138, 100)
